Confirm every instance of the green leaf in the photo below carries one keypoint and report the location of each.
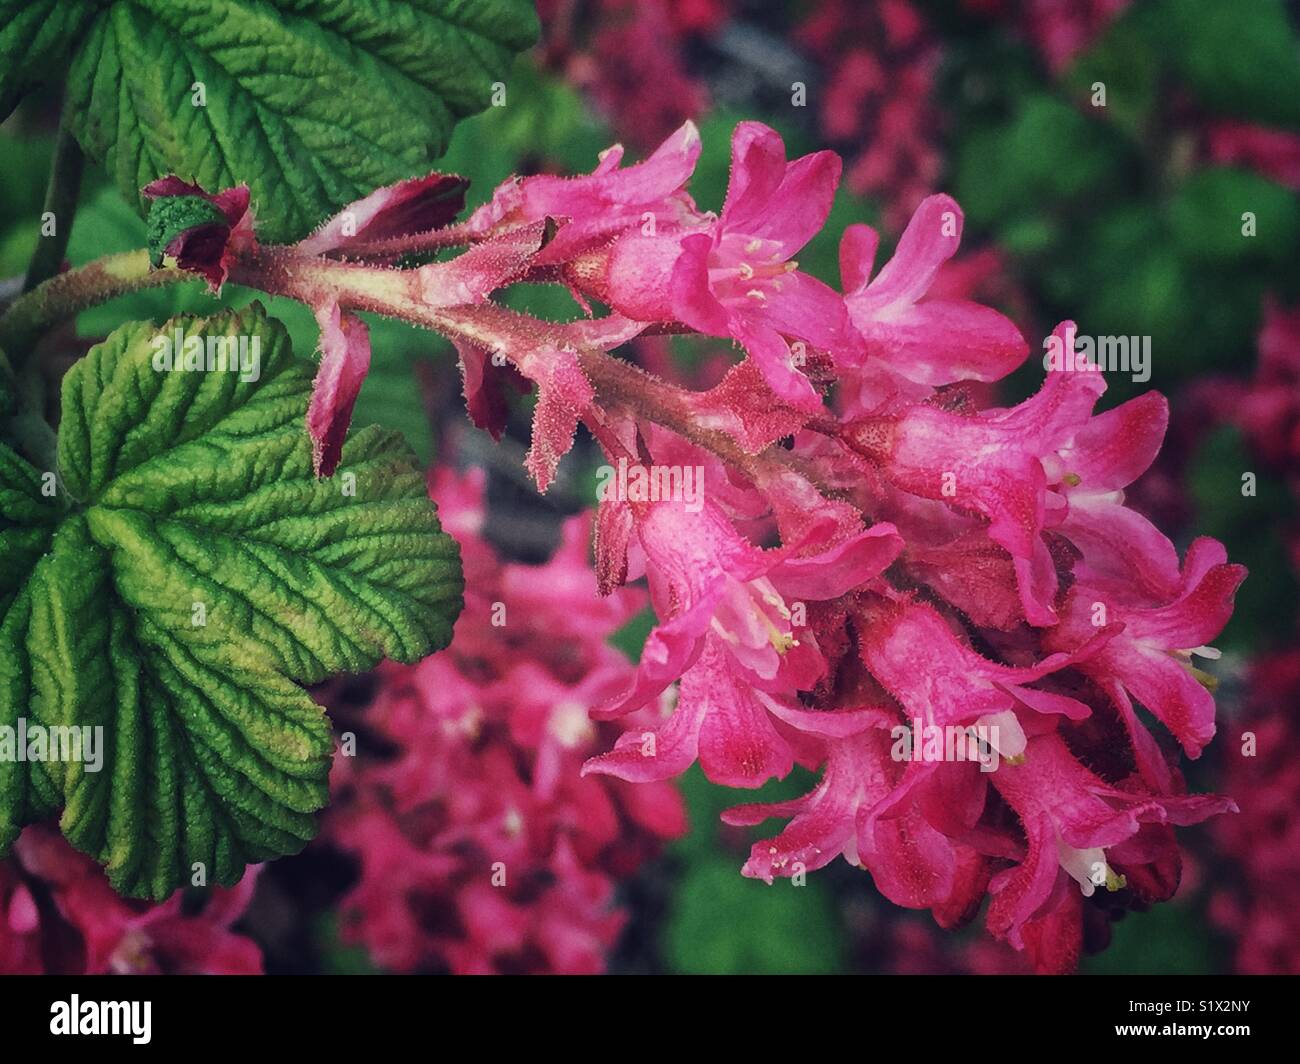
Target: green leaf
(35, 38)
(27, 522)
(1253, 528)
(312, 103)
(721, 923)
(200, 576)
(8, 390)
(1174, 939)
(1004, 169)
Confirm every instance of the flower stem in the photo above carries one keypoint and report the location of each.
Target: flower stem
(33, 314)
(399, 247)
(618, 382)
(61, 203)
(395, 294)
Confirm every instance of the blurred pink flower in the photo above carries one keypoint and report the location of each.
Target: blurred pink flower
(59, 916)
(481, 848)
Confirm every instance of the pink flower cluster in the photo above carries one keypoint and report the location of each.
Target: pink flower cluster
(631, 62)
(844, 546)
(1267, 407)
(959, 567)
(1059, 29)
(59, 916)
(481, 847)
(878, 100)
(1256, 899)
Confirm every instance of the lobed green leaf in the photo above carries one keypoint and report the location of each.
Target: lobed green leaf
(203, 573)
(312, 103)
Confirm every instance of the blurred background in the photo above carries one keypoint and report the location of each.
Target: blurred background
(1105, 154)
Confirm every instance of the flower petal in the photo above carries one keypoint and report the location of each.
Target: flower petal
(404, 208)
(930, 239)
(345, 361)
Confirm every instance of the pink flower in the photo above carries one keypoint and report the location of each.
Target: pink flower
(972, 573)
(878, 100)
(1269, 410)
(908, 556)
(1000, 464)
(1150, 658)
(1258, 901)
(740, 280)
(465, 280)
(744, 407)
(1275, 153)
(1120, 548)
(736, 276)
(641, 78)
(905, 827)
(937, 679)
(344, 363)
(601, 204)
(481, 848)
(1061, 29)
(630, 56)
(1073, 822)
(547, 357)
(899, 326)
(82, 927)
(726, 630)
(560, 597)
(825, 824)
(403, 209)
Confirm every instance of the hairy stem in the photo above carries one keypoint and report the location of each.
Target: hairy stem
(400, 247)
(283, 271)
(61, 196)
(397, 294)
(62, 296)
(618, 382)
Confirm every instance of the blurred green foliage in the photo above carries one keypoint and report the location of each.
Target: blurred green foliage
(1251, 526)
(723, 924)
(1169, 938)
(1112, 221)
